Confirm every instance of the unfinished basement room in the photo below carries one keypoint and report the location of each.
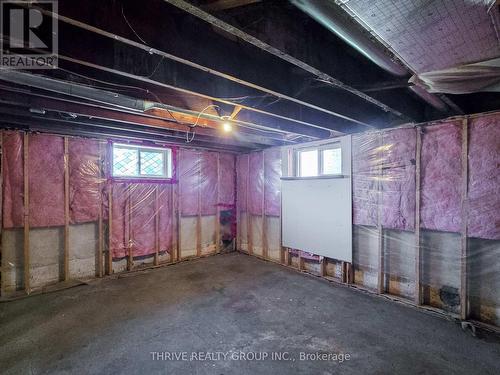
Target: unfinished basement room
(250, 187)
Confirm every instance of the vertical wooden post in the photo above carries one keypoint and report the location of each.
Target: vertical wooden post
(217, 213)
(110, 229)
(301, 260)
(130, 259)
(249, 215)
(322, 269)
(157, 226)
(66, 209)
(179, 207)
(26, 243)
(264, 218)
(198, 220)
(380, 276)
(464, 305)
(100, 223)
(174, 252)
(418, 255)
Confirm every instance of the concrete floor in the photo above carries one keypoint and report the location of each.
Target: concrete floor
(229, 303)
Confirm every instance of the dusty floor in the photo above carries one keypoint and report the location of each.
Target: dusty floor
(237, 305)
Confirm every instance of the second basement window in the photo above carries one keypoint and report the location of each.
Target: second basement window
(131, 161)
(319, 161)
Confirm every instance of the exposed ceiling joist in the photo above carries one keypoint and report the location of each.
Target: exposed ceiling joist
(207, 17)
(218, 5)
(119, 116)
(307, 129)
(200, 67)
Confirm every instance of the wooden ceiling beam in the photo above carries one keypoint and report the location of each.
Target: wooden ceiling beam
(219, 5)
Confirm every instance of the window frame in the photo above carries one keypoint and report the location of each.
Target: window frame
(319, 149)
(169, 169)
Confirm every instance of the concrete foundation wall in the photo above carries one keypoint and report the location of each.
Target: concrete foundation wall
(47, 256)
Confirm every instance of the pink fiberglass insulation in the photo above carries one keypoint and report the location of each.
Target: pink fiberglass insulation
(226, 179)
(272, 182)
(141, 218)
(147, 201)
(484, 177)
(365, 177)
(84, 180)
(166, 213)
(46, 180)
(120, 229)
(256, 183)
(208, 183)
(136, 207)
(13, 179)
(242, 181)
(440, 177)
(189, 181)
(398, 179)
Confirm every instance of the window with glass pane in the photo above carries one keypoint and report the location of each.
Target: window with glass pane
(137, 162)
(152, 163)
(331, 161)
(308, 163)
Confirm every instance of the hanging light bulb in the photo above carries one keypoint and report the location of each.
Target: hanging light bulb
(227, 127)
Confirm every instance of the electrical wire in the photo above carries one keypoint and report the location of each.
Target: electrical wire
(196, 122)
(131, 28)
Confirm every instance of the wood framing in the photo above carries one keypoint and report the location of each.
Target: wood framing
(157, 226)
(110, 230)
(179, 207)
(418, 255)
(130, 258)
(380, 230)
(217, 208)
(26, 229)
(322, 266)
(464, 305)
(198, 218)
(100, 213)
(301, 261)
(249, 215)
(174, 243)
(265, 249)
(66, 209)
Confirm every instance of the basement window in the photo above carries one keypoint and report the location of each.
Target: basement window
(319, 161)
(131, 161)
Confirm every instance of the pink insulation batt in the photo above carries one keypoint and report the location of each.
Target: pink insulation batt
(189, 181)
(242, 181)
(133, 218)
(85, 180)
(208, 183)
(256, 183)
(119, 229)
(46, 180)
(227, 179)
(484, 177)
(440, 176)
(398, 179)
(365, 171)
(272, 181)
(13, 179)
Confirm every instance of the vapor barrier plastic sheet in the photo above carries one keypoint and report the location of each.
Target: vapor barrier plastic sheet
(142, 212)
(484, 178)
(441, 176)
